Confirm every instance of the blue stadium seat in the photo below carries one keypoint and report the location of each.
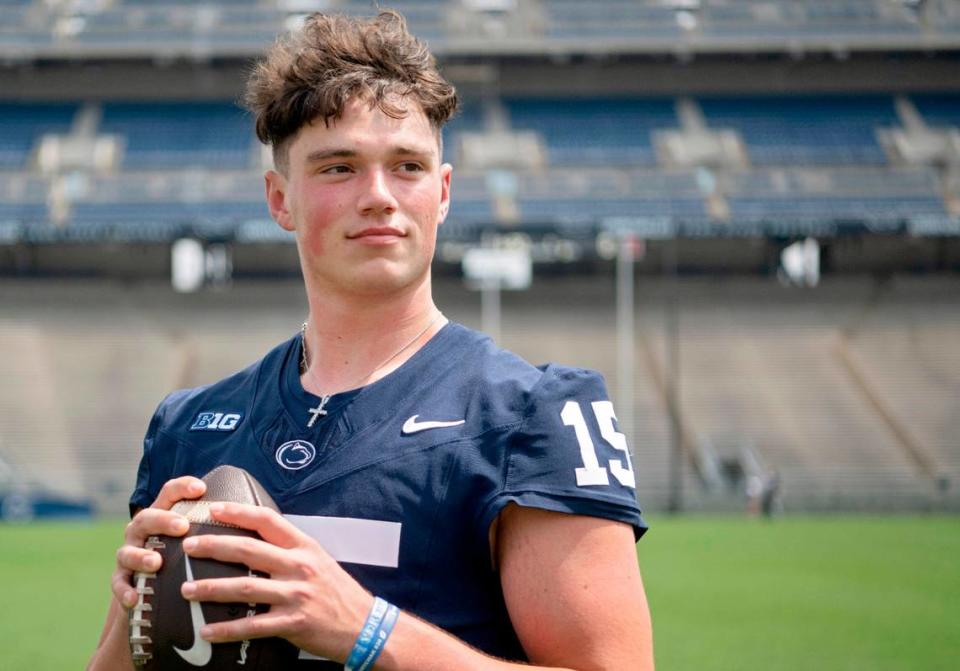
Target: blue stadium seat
(468, 119)
(181, 23)
(175, 212)
(595, 131)
(472, 211)
(425, 18)
(834, 194)
(834, 207)
(609, 18)
(805, 129)
(590, 209)
(22, 125)
(172, 135)
(941, 109)
(794, 18)
(23, 212)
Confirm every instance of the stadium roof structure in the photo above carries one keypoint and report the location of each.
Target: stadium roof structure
(172, 29)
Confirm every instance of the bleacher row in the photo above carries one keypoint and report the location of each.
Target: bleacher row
(197, 163)
(777, 130)
(761, 368)
(129, 25)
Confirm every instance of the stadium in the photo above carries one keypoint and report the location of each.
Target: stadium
(744, 213)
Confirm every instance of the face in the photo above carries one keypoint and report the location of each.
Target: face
(364, 197)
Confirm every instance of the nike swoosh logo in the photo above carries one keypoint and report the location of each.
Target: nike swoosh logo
(413, 426)
(201, 651)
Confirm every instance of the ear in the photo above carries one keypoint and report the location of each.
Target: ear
(276, 191)
(446, 171)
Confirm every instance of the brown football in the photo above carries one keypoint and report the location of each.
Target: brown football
(164, 626)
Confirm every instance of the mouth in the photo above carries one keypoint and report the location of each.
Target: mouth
(377, 232)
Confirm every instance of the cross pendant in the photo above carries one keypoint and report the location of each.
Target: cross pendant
(318, 411)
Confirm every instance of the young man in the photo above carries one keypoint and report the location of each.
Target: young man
(491, 501)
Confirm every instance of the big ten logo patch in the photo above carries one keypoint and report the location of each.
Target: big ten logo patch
(216, 421)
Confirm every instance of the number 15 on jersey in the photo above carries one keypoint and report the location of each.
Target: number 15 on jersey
(592, 472)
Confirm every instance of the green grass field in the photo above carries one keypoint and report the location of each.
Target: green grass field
(810, 593)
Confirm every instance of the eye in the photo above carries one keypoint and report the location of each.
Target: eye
(339, 169)
(411, 166)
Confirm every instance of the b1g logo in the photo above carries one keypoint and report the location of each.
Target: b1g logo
(216, 421)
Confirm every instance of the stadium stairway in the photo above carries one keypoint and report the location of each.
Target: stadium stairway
(907, 354)
(759, 370)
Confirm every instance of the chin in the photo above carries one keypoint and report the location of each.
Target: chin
(387, 279)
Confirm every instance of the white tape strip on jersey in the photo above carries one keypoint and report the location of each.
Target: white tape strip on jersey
(349, 539)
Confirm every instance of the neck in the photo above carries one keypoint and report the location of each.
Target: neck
(351, 343)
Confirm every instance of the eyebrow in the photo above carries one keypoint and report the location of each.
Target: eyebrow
(325, 154)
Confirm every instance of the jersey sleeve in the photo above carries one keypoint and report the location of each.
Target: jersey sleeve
(567, 454)
(155, 466)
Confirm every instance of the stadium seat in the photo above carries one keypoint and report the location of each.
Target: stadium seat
(780, 130)
(22, 124)
(826, 194)
(609, 19)
(938, 109)
(594, 131)
(173, 135)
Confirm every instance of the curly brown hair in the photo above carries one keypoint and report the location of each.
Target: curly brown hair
(312, 73)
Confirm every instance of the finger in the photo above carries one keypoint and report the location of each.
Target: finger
(244, 628)
(122, 590)
(234, 590)
(131, 558)
(254, 553)
(154, 522)
(271, 526)
(186, 487)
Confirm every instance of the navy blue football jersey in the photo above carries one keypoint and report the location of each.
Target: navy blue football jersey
(402, 479)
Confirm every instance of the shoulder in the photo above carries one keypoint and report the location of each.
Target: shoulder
(504, 378)
(550, 432)
(220, 405)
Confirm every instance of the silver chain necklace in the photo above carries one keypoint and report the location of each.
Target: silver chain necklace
(305, 365)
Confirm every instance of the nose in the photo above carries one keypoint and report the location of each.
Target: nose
(376, 197)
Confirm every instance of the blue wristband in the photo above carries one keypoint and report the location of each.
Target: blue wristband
(380, 638)
(364, 644)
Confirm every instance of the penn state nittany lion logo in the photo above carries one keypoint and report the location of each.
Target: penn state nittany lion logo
(296, 454)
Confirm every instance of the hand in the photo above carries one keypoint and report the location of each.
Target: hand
(314, 603)
(152, 521)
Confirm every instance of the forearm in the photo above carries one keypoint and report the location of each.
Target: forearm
(416, 644)
(113, 650)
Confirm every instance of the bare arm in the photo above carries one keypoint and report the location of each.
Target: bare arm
(575, 596)
(573, 589)
(113, 650)
(546, 561)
